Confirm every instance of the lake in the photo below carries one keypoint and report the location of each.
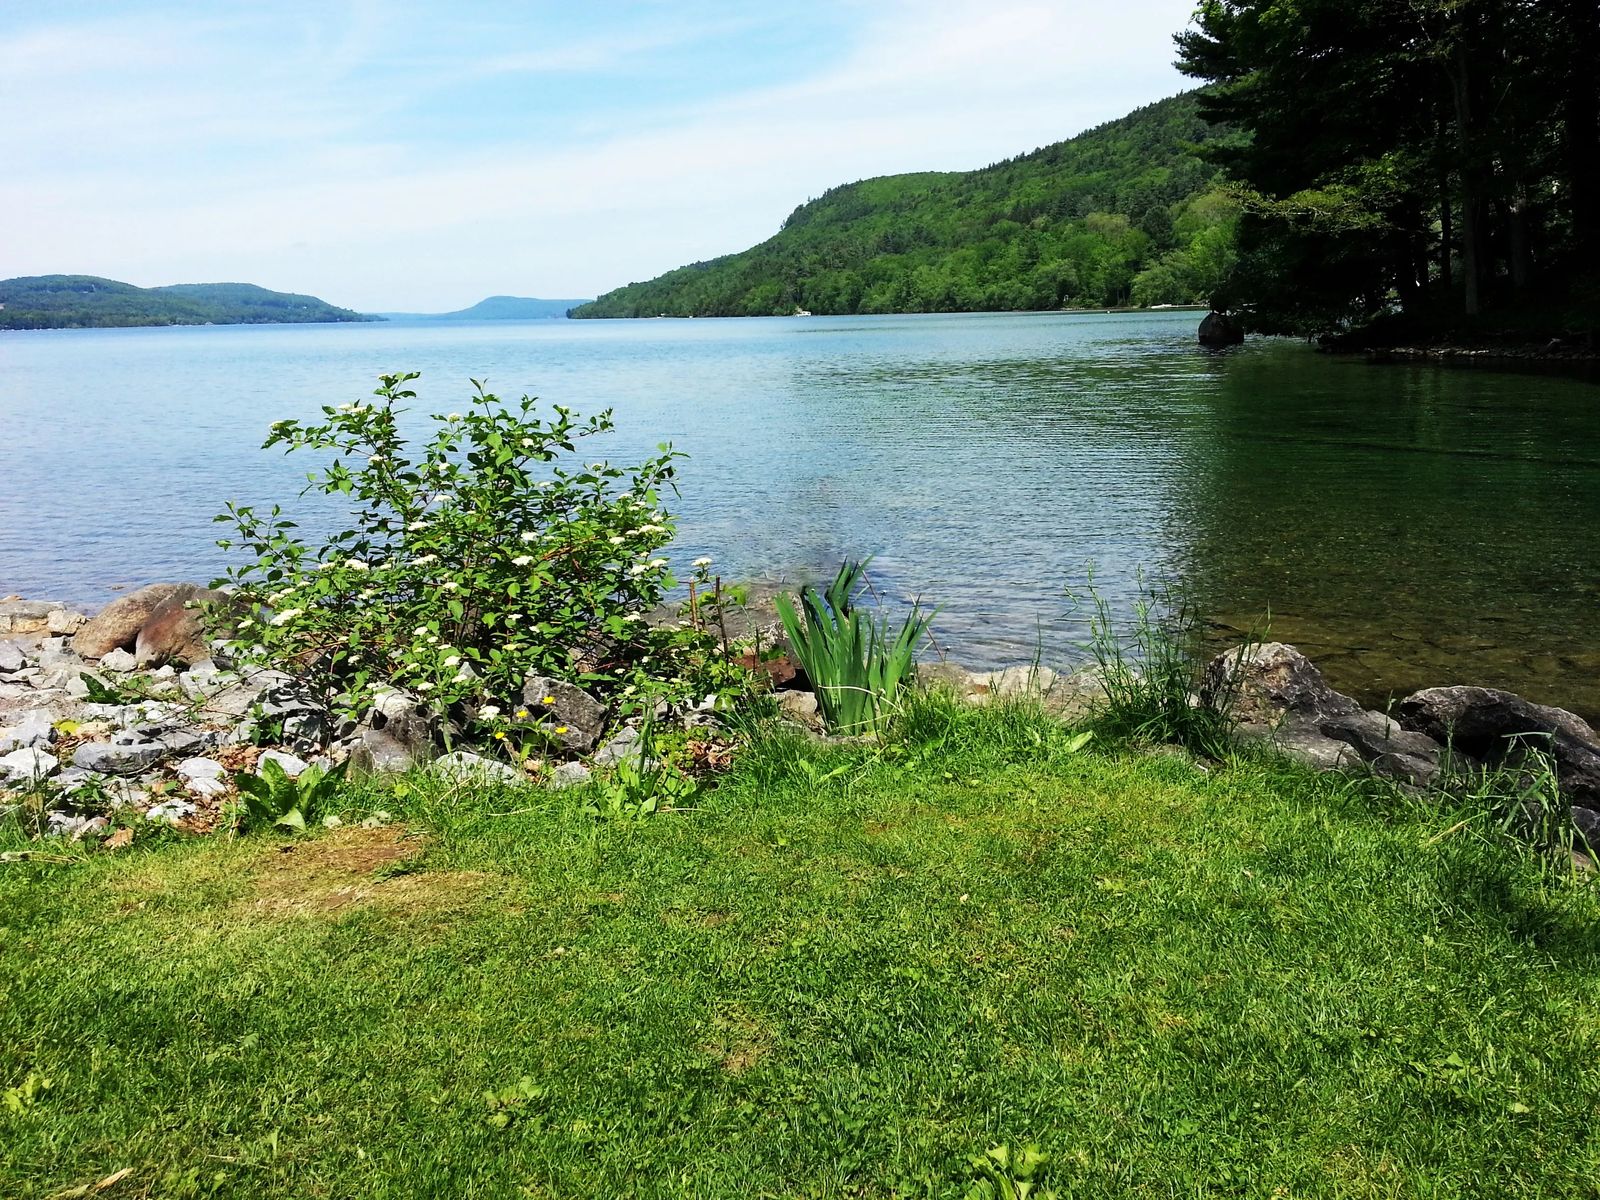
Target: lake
(1404, 525)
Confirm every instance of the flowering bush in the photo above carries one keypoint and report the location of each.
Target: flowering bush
(481, 556)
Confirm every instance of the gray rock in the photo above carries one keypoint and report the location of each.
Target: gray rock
(31, 727)
(186, 741)
(1387, 748)
(205, 787)
(571, 774)
(54, 652)
(406, 720)
(1586, 821)
(377, 753)
(27, 766)
(292, 766)
(66, 825)
(200, 768)
(1495, 727)
(112, 759)
(170, 811)
(463, 766)
(11, 657)
(625, 746)
(237, 698)
(1267, 683)
(566, 713)
(119, 661)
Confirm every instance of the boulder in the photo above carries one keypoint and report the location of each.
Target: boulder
(117, 625)
(1266, 683)
(406, 721)
(1220, 329)
(175, 631)
(1496, 727)
(1386, 747)
(1587, 823)
(566, 713)
(64, 621)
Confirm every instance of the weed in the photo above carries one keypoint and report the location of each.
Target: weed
(643, 784)
(856, 669)
(1007, 1175)
(270, 797)
(1150, 668)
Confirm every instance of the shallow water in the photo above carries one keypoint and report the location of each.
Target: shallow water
(1407, 525)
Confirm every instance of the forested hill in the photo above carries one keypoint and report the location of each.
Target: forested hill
(1124, 213)
(87, 301)
(497, 308)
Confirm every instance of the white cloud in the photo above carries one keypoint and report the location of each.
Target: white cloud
(292, 190)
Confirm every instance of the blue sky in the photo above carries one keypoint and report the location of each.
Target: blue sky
(401, 154)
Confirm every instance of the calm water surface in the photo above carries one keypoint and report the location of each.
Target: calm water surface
(1405, 525)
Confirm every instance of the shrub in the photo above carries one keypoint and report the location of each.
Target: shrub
(854, 666)
(471, 560)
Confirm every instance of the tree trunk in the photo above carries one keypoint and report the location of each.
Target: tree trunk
(1582, 132)
(1474, 187)
(1447, 234)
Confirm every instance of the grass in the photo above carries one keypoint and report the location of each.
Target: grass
(845, 973)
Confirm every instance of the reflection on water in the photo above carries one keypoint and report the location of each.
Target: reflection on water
(1408, 525)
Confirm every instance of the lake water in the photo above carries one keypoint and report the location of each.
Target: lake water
(1405, 525)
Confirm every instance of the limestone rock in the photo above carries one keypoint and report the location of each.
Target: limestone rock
(572, 774)
(11, 657)
(567, 714)
(119, 661)
(626, 745)
(117, 626)
(176, 629)
(292, 766)
(25, 616)
(200, 768)
(378, 753)
(463, 766)
(118, 759)
(30, 727)
(65, 621)
(28, 765)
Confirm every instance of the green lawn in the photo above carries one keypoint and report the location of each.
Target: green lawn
(1241, 982)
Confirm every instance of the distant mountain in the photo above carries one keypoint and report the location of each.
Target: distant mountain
(89, 302)
(1126, 213)
(497, 308)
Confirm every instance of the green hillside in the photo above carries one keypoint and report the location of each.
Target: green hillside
(87, 302)
(1124, 213)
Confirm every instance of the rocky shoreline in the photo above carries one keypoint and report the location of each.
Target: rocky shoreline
(134, 711)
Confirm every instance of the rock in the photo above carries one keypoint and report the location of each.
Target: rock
(406, 720)
(25, 616)
(572, 774)
(377, 753)
(1219, 329)
(236, 699)
(175, 631)
(185, 741)
(202, 678)
(65, 621)
(28, 766)
(801, 708)
(1496, 726)
(1388, 749)
(624, 746)
(118, 759)
(566, 713)
(54, 652)
(170, 811)
(11, 657)
(463, 766)
(31, 727)
(200, 768)
(119, 661)
(117, 625)
(204, 787)
(292, 766)
(1586, 821)
(66, 824)
(1263, 684)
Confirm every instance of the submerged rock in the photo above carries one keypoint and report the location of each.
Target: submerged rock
(1219, 329)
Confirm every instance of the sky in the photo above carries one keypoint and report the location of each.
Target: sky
(402, 155)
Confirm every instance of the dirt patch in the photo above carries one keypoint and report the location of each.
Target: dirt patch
(351, 868)
(740, 1042)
